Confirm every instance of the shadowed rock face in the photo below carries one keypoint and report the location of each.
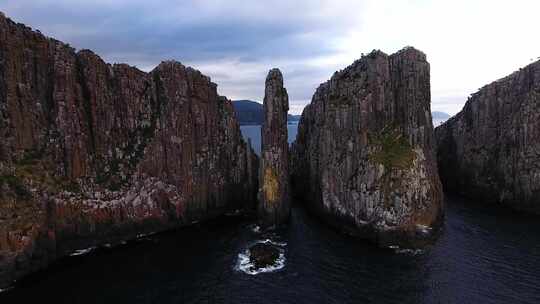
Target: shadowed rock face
(274, 207)
(93, 153)
(491, 150)
(364, 156)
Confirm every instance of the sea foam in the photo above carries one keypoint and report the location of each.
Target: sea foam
(245, 265)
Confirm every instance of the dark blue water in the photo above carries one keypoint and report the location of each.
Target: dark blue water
(484, 255)
(253, 132)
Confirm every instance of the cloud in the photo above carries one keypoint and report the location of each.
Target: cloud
(235, 42)
(468, 43)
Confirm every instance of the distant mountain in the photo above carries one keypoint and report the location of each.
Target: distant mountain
(440, 115)
(293, 117)
(250, 112)
(439, 118)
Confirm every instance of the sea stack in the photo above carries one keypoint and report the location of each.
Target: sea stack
(274, 201)
(490, 151)
(364, 157)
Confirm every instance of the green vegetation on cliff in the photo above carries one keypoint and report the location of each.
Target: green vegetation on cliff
(393, 150)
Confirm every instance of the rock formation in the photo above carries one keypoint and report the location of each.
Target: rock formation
(490, 151)
(364, 157)
(93, 153)
(274, 205)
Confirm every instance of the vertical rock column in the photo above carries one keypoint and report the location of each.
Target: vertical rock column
(364, 156)
(274, 204)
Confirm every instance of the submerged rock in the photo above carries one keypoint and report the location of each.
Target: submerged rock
(94, 153)
(364, 157)
(490, 151)
(274, 203)
(262, 255)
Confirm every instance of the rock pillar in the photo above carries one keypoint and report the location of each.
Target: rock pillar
(274, 203)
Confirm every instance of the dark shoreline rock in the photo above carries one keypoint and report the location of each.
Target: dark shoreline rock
(490, 151)
(94, 153)
(364, 157)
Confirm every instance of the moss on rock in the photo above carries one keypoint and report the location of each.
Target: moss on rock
(392, 150)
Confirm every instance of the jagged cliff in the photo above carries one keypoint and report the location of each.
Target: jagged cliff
(364, 157)
(491, 150)
(94, 153)
(274, 202)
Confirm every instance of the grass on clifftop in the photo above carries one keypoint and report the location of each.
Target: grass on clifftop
(392, 150)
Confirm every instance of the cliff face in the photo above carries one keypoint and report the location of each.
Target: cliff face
(274, 206)
(491, 150)
(364, 155)
(93, 153)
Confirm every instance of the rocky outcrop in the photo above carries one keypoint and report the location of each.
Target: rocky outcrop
(364, 157)
(93, 153)
(490, 151)
(274, 203)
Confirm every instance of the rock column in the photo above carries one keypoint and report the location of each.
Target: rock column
(274, 203)
(364, 157)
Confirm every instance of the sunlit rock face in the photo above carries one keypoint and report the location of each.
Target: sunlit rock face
(274, 203)
(490, 151)
(94, 153)
(364, 156)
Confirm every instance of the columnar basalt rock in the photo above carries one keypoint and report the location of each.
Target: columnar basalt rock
(364, 157)
(490, 151)
(93, 153)
(274, 203)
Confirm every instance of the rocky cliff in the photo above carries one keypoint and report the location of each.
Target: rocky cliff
(364, 157)
(490, 151)
(94, 153)
(274, 203)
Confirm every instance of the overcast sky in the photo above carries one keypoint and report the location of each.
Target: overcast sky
(469, 43)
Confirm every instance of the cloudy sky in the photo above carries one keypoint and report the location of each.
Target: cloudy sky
(469, 43)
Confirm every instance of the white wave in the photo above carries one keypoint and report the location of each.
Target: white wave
(82, 251)
(410, 251)
(423, 229)
(145, 236)
(233, 213)
(255, 228)
(5, 289)
(269, 241)
(407, 251)
(245, 265)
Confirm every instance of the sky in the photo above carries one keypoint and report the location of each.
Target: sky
(469, 43)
